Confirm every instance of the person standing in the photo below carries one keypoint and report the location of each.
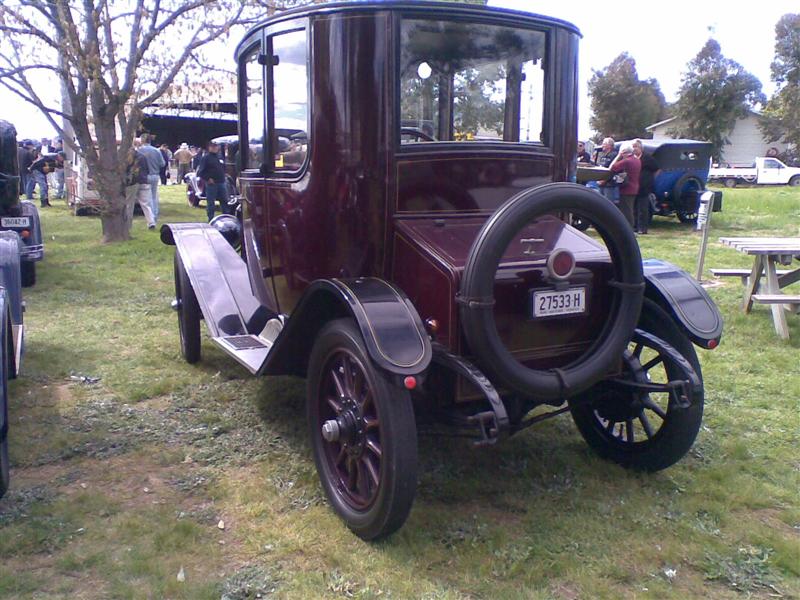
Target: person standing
(210, 169)
(627, 163)
(138, 189)
(167, 154)
(583, 155)
(39, 169)
(24, 160)
(183, 156)
(603, 157)
(646, 186)
(155, 162)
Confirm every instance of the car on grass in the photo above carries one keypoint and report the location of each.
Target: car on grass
(410, 253)
(12, 252)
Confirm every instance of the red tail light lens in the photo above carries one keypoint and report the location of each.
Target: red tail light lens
(561, 263)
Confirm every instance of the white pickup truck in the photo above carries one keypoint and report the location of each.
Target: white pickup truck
(765, 170)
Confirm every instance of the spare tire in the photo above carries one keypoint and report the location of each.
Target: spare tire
(476, 294)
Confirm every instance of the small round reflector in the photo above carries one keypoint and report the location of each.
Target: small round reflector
(25, 234)
(560, 263)
(410, 382)
(712, 344)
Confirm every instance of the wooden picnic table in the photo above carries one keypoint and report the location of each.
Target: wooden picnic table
(767, 252)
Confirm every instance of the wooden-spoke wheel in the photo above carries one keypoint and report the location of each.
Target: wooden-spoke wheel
(363, 434)
(648, 427)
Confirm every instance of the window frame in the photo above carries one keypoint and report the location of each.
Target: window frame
(270, 33)
(539, 146)
(255, 42)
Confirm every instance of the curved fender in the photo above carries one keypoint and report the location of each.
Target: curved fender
(10, 248)
(33, 247)
(685, 299)
(393, 331)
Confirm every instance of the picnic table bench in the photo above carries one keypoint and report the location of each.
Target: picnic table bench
(767, 252)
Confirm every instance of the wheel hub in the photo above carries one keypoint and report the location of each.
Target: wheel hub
(618, 407)
(347, 428)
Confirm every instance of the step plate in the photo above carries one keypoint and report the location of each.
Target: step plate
(249, 351)
(244, 342)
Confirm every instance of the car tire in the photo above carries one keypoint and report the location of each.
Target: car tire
(730, 183)
(592, 412)
(795, 181)
(27, 271)
(369, 474)
(189, 314)
(5, 464)
(686, 207)
(476, 294)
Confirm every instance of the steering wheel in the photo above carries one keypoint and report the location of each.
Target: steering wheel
(417, 133)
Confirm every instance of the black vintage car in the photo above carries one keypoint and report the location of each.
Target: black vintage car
(12, 250)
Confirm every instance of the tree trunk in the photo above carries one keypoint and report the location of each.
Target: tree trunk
(115, 221)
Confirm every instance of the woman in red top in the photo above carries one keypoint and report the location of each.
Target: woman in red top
(627, 163)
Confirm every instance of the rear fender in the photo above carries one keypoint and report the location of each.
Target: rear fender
(392, 330)
(685, 300)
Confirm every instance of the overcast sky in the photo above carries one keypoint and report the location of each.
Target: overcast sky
(662, 37)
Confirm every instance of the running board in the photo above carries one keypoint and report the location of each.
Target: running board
(250, 351)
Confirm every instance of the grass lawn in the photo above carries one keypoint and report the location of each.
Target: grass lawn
(165, 480)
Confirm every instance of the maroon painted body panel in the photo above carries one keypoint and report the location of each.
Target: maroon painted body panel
(365, 204)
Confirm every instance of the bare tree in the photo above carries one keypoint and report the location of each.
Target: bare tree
(111, 58)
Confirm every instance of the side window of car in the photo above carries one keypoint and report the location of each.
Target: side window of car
(254, 100)
(771, 164)
(289, 127)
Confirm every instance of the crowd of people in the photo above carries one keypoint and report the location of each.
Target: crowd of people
(149, 167)
(41, 165)
(630, 186)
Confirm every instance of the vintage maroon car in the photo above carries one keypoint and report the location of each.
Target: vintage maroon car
(405, 246)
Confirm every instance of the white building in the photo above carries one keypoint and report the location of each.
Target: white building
(745, 140)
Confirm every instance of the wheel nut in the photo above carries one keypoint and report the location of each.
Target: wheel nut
(331, 431)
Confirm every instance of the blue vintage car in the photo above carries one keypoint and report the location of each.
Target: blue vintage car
(683, 172)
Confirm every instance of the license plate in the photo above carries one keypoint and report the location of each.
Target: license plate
(15, 222)
(551, 303)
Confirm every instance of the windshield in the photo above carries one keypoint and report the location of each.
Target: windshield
(462, 81)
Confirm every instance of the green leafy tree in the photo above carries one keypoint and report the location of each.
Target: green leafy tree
(781, 116)
(715, 92)
(622, 104)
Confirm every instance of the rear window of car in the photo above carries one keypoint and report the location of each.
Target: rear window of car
(464, 82)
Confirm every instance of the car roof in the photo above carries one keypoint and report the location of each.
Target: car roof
(451, 8)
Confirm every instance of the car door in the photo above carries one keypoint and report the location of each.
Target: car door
(771, 172)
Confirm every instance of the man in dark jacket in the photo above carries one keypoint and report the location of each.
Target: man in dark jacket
(210, 169)
(138, 189)
(39, 169)
(25, 160)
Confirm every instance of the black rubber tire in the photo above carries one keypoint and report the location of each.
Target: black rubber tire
(27, 272)
(5, 465)
(730, 182)
(398, 437)
(686, 214)
(477, 291)
(795, 181)
(676, 434)
(189, 314)
(5, 475)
